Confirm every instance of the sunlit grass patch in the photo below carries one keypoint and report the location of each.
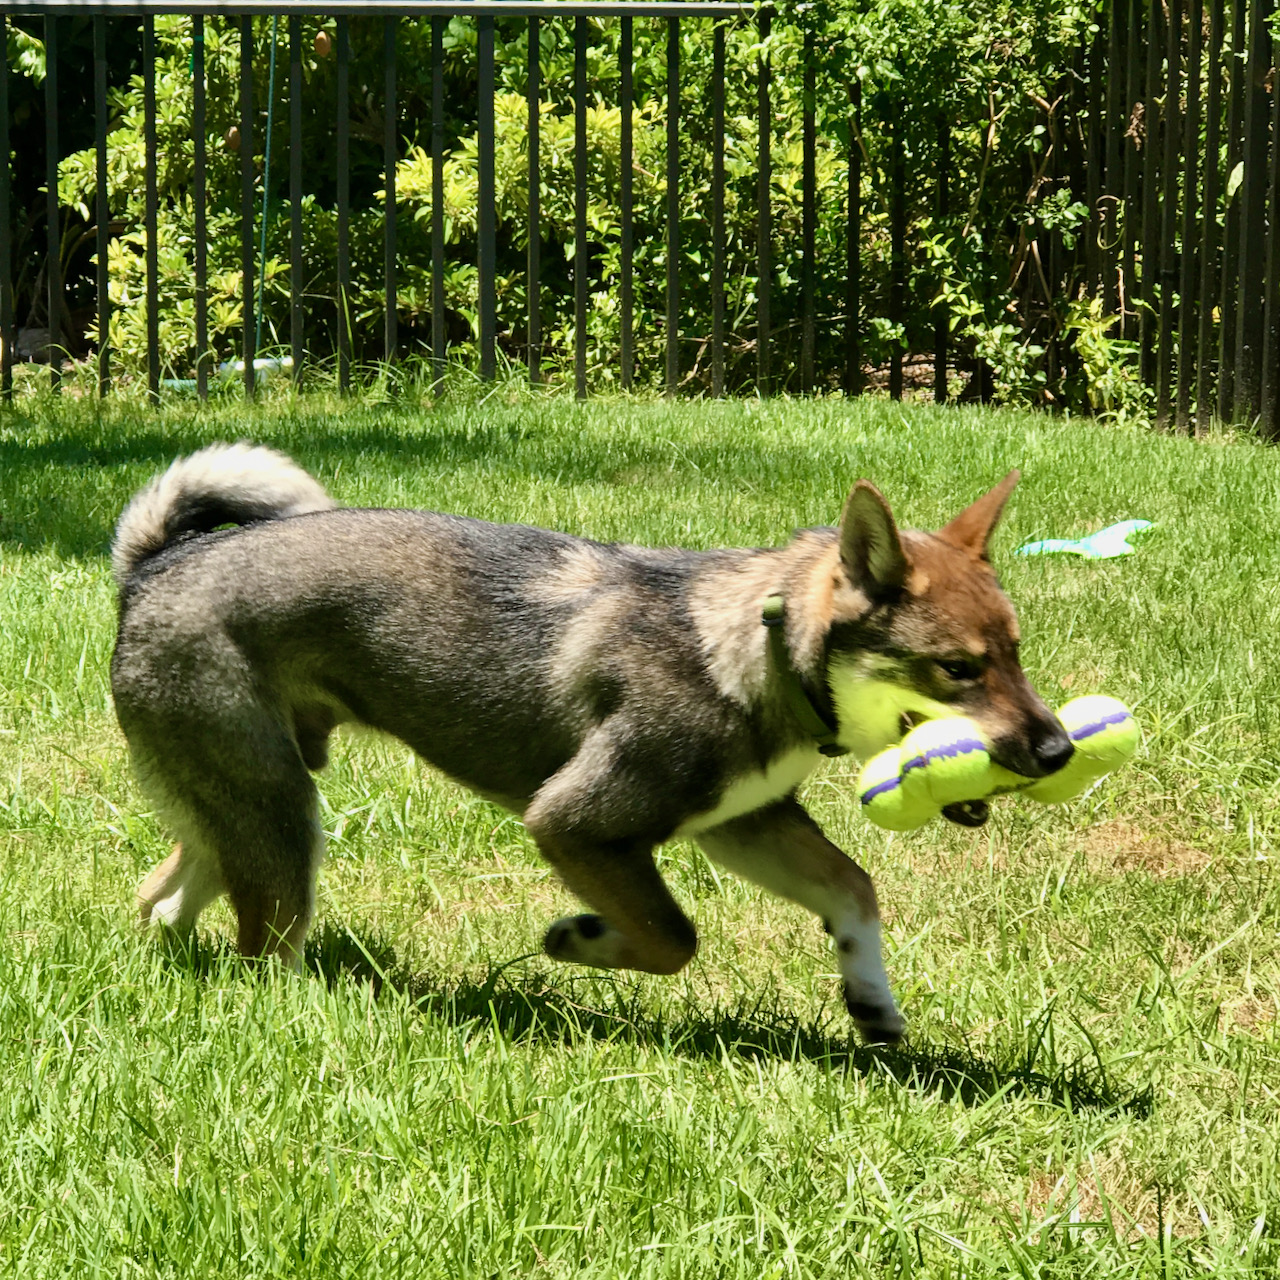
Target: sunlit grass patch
(1090, 1085)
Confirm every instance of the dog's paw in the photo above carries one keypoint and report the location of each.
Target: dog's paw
(877, 1023)
(967, 813)
(585, 939)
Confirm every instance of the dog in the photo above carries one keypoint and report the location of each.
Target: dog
(613, 696)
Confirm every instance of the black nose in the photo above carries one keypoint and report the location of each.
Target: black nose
(1053, 751)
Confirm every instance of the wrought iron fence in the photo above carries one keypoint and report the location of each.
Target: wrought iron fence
(560, 14)
(1162, 129)
(1187, 212)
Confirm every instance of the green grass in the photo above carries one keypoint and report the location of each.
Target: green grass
(1091, 1084)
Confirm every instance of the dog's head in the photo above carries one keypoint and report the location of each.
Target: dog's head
(920, 628)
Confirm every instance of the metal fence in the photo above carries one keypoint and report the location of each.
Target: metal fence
(1185, 177)
(484, 12)
(1164, 130)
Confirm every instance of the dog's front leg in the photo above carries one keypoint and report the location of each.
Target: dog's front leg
(577, 821)
(783, 850)
(639, 924)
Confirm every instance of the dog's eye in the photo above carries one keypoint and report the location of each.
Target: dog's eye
(960, 668)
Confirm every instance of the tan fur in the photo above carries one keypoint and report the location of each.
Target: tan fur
(586, 632)
(576, 573)
(971, 530)
(726, 617)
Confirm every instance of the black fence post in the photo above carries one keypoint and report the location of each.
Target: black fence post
(626, 96)
(942, 317)
(533, 96)
(245, 144)
(1209, 239)
(1150, 238)
(345, 328)
(152, 214)
(1188, 334)
(53, 237)
(102, 216)
(389, 158)
(8, 327)
(853, 247)
(486, 219)
(1135, 154)
(1269, 395)
(1112, 179)
(1247, 394)
(1094, 159)
(295, 197)
(437, 200)
(673, 205)
(200, 205)
(1172, 138)
(717, 211)
(808, 208)
(764, 183)
(7, 334)
(580, 207)
(1227, 304)
(897, 249)
(1058, 133)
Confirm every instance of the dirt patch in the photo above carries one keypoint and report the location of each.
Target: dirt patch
(1108, 1191)
(1253, 1014)
(955, 853)
(1118, 847)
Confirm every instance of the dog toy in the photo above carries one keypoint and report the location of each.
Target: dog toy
(948, 762)
(1106, 544)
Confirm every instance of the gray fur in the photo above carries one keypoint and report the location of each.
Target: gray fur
(610, 695)
(223, 484)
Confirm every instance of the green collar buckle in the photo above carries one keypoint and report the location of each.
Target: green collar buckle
(802, 706)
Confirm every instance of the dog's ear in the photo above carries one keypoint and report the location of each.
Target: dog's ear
(870, 547)
(971, 530)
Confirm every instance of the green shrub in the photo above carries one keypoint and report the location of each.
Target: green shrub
(987, 69)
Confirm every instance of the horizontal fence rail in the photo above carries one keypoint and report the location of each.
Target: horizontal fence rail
(691, 196)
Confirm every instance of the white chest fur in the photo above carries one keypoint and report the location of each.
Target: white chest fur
(753, 791)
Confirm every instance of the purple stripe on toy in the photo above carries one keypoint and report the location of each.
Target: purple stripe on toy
(948, 751)
(1088, 730)
(879, 789)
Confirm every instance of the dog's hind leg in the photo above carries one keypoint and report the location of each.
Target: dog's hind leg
(271, 847)
(638, 924)
(179, 889)
(248, 816)
(783, 850)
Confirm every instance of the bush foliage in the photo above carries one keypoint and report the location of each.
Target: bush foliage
(996, 74)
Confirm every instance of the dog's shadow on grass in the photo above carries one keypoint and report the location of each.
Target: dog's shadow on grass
(531, 1007)
(534, 1008)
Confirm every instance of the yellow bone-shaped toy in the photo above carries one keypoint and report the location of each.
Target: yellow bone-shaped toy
(947, 761)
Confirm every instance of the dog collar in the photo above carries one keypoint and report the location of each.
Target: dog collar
(816, 725)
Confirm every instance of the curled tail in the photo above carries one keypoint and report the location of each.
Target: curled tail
(223, 484)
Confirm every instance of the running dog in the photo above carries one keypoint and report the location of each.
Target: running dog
(615, 697)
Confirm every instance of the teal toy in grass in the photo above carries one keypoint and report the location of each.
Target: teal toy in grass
(1106, 544)
(947, 762)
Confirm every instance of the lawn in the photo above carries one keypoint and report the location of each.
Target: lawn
(1090, 1085)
